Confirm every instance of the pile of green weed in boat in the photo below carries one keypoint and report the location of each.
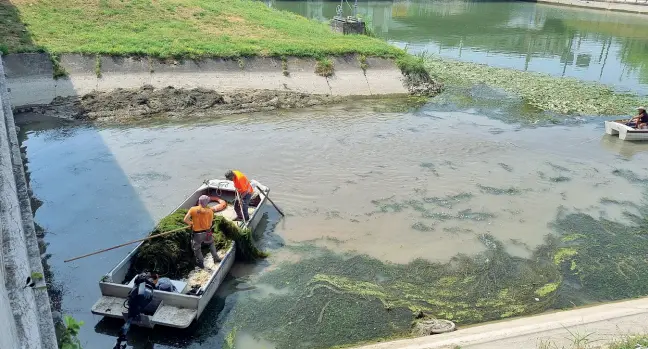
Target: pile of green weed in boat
(172, 255)
(329, 299)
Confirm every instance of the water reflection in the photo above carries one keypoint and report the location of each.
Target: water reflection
(611, 48)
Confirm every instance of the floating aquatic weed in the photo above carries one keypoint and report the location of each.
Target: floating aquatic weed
(333, 215)
(387, 205)
(560, 179)
(544, 92)
(448, 201)
(430, 167)
(339, 299)
(441, 216)
(416, 205)
(506, 167)
(456, 230)
(474, 216)
(630, 176)
(499, 191)
(626, 203)
(422, 227)
(450, 164)
(558, 167)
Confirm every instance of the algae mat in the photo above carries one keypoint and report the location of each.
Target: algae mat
(335, 299)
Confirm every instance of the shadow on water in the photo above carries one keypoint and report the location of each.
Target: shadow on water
(87, 204)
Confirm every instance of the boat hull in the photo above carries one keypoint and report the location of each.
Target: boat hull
(624, 132)
(174, 309)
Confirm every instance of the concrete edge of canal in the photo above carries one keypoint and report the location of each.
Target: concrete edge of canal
(30, 76)
(599, 325)
(25, 312)
(600, 5)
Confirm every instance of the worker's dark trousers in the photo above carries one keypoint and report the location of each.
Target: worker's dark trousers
(246, 205)
(196, 244)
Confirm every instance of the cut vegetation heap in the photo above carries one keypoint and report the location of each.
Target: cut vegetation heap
(172, 255)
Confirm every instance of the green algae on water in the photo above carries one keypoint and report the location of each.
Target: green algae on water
(341, 298)
(499, 191)
(566, 96)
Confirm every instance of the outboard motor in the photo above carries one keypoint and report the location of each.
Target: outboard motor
(138, 298)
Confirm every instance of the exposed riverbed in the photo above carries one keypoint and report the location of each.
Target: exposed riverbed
(367, 189)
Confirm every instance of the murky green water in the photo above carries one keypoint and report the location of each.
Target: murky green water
(442, 208)
(608, 47)
(450, 207)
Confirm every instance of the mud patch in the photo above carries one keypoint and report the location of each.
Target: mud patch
(147, 101)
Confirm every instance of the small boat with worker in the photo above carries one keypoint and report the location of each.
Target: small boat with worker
(145, 299)
(634, 129)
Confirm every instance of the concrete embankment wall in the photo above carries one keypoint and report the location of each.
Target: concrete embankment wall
(25, 315)
(30, 76)
(629, 6)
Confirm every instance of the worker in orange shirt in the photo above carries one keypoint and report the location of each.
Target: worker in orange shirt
(201, 218)
(245, 191)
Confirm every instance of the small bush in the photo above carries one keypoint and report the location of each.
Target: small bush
(412, 65)
(284, 66)
(69, 338)
(58, 70)
(363, 63)
(98, 66)
(324, 67)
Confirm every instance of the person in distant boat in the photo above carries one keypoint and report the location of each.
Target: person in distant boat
(201, 218)
(639, 121)
(245, 191)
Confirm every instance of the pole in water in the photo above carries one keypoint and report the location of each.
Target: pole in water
(122, 336)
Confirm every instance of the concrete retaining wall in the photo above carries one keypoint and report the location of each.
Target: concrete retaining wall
(30, 76)
(629, 6)
(25, 315)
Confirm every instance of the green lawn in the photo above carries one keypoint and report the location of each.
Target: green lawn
(167, 28)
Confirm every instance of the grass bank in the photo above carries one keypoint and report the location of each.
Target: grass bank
(173, 28)
(541, 91)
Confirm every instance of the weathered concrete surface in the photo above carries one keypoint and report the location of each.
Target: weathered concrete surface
(25, 313)
(601, 324)
(30, 76)
(609, 5)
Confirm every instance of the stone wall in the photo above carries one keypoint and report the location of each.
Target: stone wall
(25, 312)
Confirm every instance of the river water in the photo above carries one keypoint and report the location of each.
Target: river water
(379, 196)
(608, 47)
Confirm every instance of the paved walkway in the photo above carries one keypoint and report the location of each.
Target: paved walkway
(610, 6)
(598, 325)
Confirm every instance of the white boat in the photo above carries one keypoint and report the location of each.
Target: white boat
(180, 309)
(626, 133)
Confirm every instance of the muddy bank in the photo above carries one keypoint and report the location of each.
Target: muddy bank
(244, 84)
(147, 101)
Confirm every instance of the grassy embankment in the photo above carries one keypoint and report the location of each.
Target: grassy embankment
(179, 29)
(541, 91)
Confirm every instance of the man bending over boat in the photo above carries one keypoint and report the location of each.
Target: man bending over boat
(244, 190)
(200, 218)
(639, 121)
